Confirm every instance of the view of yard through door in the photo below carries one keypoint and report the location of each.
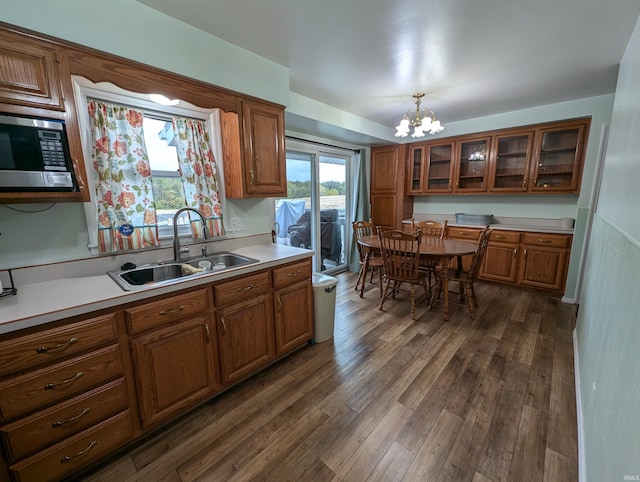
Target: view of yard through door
(313, 214)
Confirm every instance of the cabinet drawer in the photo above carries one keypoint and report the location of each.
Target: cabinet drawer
(48, 346)
(463, 233)
(52, 384)
(148, 315)
(290, 274)
(31, 434)
(504, 237)
(550, 240)
(242, 289)
(75, 453)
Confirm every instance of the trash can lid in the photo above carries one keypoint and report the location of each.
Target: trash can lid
(320, 280)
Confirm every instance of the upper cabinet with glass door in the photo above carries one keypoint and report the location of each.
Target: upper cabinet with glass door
(558, 158)
(473, 163)
(509, 162)
(417, 168)
(440, 167)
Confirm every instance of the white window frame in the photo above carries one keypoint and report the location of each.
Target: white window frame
(84, 89)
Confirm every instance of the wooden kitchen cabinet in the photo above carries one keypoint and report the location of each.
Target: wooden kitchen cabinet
(293, 300)
(65, 398)
(417, 168)
(543, 260)
(510, 161)
(390, 203)
(466, 234)
(472, 168)
(501, 257)
(254, 151)
(558, 158)
(244, 321)
(176, 367)
(35, 81)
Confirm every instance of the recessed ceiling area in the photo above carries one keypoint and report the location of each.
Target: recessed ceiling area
(471, 58)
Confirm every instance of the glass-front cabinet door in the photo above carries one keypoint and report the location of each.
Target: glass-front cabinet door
(473, 163)
(439, 161)
(509, 169)
(417, 168)
(558, 159)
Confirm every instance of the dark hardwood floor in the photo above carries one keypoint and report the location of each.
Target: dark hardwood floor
(391, 399)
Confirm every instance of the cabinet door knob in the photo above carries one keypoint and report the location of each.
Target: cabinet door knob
(515, 253)
(206, 332)
(253, 177)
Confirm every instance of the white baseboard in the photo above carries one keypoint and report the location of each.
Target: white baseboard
(581, 454)
(571, 301)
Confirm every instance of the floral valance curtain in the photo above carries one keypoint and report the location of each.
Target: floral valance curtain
(124, 194)
(199, 173)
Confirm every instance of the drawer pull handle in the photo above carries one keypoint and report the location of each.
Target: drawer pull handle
(51, 386)
(500, 237)
(68, 458)
(279, 304)
(515, 253)
(59, 423)
(224, 326)
(61, 346)
(206, 330)
(295, 273)
(463, 234)
(546, 241)
(253, 177)
(172, 312)
(246, 288)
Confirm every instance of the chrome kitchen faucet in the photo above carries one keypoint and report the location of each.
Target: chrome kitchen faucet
(176, 239)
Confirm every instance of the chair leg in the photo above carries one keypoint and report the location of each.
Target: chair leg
(473, 294)
(384, 294)
(467, 289)
(380, 279)
(364, 277)
(360, 276)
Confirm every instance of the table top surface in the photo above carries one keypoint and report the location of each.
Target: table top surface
(430, 245)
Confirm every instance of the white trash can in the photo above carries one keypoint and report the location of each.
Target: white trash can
(324, 306)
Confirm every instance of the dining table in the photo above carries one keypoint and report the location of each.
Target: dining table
(444, 250)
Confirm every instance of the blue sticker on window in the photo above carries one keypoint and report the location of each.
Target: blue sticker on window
(126, 230)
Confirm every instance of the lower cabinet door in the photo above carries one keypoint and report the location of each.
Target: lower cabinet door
(500, 263)
(175, 367)
(543, 267)
(245, 337)
(294, 318)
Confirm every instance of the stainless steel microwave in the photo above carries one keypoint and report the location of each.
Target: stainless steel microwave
(34, 155)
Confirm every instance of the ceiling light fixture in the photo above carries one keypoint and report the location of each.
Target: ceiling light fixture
(422, 120)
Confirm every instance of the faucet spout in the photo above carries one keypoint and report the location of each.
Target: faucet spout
(176, 239)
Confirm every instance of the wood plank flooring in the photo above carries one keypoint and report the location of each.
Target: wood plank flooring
(390, 399)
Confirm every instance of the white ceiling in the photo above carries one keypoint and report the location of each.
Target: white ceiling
(472, 57)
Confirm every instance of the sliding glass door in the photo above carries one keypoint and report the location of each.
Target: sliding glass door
(314, 213)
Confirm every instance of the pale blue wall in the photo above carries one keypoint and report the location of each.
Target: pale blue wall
(608, 325)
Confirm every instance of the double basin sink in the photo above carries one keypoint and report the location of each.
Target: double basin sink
(167, 272)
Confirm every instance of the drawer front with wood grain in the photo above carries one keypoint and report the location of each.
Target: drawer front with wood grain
(50, 385)
(69, 456)
(242, 289)
(158, 313)
(291, 274)
(472, 234)
(504, 236)
(29, 435)
(549, 240)
(49, 346)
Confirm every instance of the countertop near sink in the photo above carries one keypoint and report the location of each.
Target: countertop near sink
(536, 225)
(74, 294)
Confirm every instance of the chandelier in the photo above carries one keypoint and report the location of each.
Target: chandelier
(422, 120)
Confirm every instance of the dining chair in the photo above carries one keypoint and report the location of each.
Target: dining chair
(369, 260)
(401, 262)
(467, 277)
(429, 229)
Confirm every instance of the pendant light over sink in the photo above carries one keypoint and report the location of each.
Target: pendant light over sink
(422, 120)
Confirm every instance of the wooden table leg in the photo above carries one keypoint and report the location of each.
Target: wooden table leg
(444, 274)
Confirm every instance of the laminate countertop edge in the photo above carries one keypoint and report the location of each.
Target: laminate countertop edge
(52, 300)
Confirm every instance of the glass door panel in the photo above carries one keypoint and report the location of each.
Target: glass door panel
(512, 162)
(558, 159)
(313, 214)
(416, 159)
(439, 168)
(472, 166)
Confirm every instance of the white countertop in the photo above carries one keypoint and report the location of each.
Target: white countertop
(535, 225)
(77, 293)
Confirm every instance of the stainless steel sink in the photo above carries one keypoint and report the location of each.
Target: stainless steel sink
(166, 273)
